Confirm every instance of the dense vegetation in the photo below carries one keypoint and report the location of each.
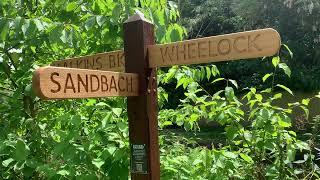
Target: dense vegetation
(88, 138)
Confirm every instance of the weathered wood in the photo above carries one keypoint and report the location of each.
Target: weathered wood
(242, 45)
(109, 61)
(67, 83)
(142, 110)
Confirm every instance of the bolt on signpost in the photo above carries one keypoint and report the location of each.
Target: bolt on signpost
(86, 77)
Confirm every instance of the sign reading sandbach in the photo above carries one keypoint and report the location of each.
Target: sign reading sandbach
(68, 83)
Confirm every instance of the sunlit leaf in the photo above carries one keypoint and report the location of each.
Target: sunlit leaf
(246, 158)
(276, 61)
(98, 162)
(265, 77)
(285, 88)
(285, 68)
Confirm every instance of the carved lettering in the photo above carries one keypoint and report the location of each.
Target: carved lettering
(236, 47)
(121, 57)
(56, 82)
(221, 46)
(112, 61)
(203, 49)
(91, 83)
(252, 43)
(192, 51)
(129, 84)
(79, 62)
(113, 84)
(99, 63)
(84, 84)
(212, 49)
(67, 86)
(182, 52)
(119, 84)
(104, 82)
(167, 54)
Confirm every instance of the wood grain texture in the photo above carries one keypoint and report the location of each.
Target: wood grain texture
(68, 83)
(109, 61)
(236, 46)
(142, 109)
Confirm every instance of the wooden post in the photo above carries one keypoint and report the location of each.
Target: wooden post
(142, 110)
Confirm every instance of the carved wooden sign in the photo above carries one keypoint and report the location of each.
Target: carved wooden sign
(110, 61)
(67, 83)
(242, 45)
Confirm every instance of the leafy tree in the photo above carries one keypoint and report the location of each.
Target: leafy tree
(86, 139)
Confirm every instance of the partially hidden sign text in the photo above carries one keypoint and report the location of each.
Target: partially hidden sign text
(109, 61)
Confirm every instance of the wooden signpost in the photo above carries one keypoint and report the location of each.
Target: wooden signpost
(140, 59)
(110, 61)
(142, 110)
(66, 83)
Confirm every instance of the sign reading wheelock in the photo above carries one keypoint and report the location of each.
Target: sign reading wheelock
(243, 45)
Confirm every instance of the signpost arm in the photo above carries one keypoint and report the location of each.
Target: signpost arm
(142, 110)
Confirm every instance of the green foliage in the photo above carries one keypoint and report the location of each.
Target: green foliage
(82, 139)
(260, 140)
(88, 138)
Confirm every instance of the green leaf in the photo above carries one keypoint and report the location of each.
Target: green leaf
(21, 151)
(71, 6)
(208, 72)
(63, 36)
(306, 101)
(234, 83)
(229, 93)
(117, 111)
(229, 154)
(101, 20)
(302, 145)
(214, 70)
(102, 104)
(76, 120)
(276, 61)
(285, 88)
(39, 24)
(90, 23)
(6, 162)
(285, 68)
(284, 121)
(4, 29)
(291, 153)
(63, 172)
(33, 49)
(122, 126)
(306, 111)
(217, 80)
(265, 77)
(98, 162)
(289, 50)
(246, 158)
(232, 132)
(277, 96)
